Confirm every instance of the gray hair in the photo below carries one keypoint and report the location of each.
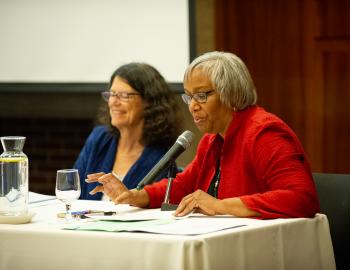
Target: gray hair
(229, 76)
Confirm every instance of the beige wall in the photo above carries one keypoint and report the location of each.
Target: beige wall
(205, 42)
(189, 154)
(205, 26)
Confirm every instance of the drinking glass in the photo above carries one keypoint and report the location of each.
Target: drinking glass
(67, 188)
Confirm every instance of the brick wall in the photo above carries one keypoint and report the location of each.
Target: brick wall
(51, 144)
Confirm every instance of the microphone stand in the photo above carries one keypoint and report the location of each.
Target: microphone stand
(166, 206)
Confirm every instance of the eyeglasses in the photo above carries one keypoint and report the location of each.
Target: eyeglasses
(201, 97)
(122, 96)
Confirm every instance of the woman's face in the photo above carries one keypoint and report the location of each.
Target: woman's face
(212, 116)
(125, 113)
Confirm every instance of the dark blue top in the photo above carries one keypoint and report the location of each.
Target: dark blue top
(98, 155)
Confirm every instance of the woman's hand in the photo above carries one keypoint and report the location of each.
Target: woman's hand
(111, 185)
(117, 191)
(204, 203)
(200, 201)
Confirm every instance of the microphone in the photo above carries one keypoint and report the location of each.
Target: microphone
(182, 143)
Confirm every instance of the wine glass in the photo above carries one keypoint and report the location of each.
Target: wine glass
(67, 188)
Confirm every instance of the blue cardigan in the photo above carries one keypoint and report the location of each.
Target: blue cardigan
(98, 155)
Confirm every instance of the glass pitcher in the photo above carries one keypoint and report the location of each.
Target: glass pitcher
(13, 177)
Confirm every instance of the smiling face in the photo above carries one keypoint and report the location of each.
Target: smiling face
(212, 116)
(125, 114)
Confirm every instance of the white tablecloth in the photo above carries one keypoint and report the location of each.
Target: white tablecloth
(272, 244)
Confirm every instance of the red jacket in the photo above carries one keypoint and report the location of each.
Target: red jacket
(262, 162)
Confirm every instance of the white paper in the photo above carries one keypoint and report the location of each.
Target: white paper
(195, 226)
(37, 197)
(136, 214)
(191, 224)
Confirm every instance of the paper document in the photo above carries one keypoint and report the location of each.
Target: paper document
(136, 214)
(189, 226)
(157, 221)
(37, 197)
(116, 226)
(195, 226)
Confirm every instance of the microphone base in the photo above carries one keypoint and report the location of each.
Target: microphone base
(168, 207)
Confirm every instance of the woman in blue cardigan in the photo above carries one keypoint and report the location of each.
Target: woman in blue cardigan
(140, 122)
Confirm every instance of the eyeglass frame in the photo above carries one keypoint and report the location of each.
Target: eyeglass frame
(122, 96)
(197, 97)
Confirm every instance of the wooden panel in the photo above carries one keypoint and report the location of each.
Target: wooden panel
(335, 18)
(313, 85)
(266, 35)
(336, 112)
(299, 55)
(328, 121)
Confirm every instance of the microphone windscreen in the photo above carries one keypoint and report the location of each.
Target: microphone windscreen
(185, 139)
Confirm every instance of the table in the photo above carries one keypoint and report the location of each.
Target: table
(263, 244)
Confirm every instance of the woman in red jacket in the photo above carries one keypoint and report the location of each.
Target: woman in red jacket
(248, 163)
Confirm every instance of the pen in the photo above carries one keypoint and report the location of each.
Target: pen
(82, 214)
(103, 213)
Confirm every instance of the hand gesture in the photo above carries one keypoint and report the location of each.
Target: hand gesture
(111, 185)
(117, 191)
(199, 201)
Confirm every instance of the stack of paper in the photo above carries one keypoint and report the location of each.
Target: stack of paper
(157, 221)
(36, 197)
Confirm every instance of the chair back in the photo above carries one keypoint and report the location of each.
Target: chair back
(334, 194)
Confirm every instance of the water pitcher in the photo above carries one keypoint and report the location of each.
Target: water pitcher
(13, 177)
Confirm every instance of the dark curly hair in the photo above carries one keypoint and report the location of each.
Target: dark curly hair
(162, 121)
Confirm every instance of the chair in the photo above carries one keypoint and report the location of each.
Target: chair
(334, 194)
